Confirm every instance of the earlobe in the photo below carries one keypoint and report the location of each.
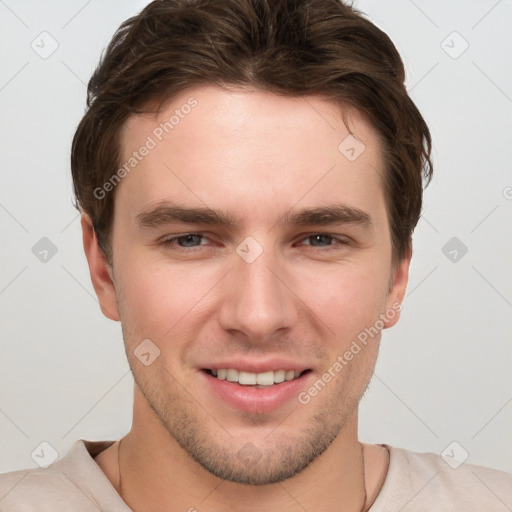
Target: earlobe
(100, 271)
(397, 290)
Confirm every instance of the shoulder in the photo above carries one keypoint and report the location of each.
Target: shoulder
(71, 483)
(428, 481)
(24, 490)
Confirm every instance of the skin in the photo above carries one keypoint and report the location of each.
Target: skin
(255, 156)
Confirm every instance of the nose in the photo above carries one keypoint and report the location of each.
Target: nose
(257, 299)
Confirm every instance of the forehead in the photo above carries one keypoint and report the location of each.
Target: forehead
(246, 149)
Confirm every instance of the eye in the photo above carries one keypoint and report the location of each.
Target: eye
(323, 240)
(190, 241)
(184, 241)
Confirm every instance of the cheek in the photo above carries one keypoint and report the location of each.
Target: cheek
(346, 299)
(158, 299)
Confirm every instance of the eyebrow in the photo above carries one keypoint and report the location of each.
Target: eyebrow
(319, 216)
(167, 214)
(328, 215)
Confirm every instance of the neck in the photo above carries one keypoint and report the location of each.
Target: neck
(156, 473)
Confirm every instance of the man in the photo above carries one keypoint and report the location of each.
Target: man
(249, 174)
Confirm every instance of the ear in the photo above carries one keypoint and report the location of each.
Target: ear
(100, 270)
(398, 286)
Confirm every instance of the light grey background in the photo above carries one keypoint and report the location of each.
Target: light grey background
(444, 371)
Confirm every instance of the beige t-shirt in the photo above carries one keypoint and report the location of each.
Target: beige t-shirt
(418, 482)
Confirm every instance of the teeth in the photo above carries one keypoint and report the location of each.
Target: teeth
(232, 375)
(265, 379)
(246, 378)
(252, 379)
(279, 376)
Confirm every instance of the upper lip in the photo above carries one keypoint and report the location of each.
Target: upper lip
(260, 366)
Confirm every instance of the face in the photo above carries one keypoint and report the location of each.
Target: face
(249, 248)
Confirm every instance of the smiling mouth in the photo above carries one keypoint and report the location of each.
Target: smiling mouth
(257, 380)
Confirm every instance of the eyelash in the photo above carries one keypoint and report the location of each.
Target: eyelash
(169, 242)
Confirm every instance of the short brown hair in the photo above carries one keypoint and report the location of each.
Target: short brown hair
(288, 47)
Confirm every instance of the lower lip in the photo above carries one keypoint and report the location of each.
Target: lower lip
(256, 400)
